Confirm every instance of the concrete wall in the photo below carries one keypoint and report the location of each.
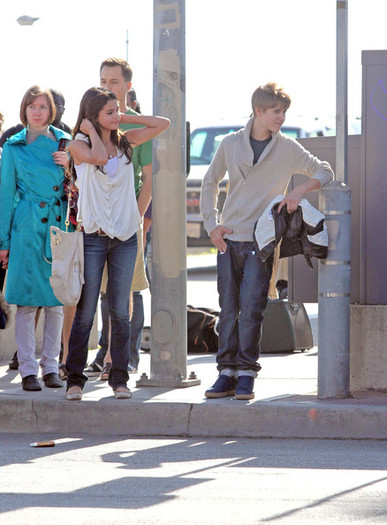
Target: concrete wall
(368, 348)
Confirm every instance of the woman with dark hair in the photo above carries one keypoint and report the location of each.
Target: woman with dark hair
(109, 216)
(31, 200)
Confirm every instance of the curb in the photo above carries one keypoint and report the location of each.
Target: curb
(312, 419)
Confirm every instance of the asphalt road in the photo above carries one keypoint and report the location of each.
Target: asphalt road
(107, 480)
(201, 290)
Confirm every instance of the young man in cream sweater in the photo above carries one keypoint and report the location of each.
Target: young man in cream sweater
(260, 161)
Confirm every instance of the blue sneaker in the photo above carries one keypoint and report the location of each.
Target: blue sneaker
(245, 388)
(224, 386)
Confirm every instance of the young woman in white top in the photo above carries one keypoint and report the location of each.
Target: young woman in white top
(108, 213)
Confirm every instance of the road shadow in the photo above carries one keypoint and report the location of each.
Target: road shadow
(145, 481)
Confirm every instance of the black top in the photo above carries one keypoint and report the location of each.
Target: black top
(10, 132)
(258, 147)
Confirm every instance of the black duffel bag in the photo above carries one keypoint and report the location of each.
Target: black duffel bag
(202, 335)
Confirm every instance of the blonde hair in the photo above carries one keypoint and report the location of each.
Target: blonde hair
(269, 96)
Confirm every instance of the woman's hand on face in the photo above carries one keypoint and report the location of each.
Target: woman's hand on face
(61, 158)
(86, 126)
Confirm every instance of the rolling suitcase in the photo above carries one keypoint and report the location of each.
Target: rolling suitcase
(286, 328)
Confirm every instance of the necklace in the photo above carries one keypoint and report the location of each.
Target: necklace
(114, 151)
(111, 155)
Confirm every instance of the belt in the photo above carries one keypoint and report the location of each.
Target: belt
(99, 232)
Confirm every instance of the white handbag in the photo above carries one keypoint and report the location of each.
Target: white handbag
(67, 259)
(67, 265)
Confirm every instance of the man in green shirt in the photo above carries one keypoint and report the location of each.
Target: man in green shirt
(116, 76)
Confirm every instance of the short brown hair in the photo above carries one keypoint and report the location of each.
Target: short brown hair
(127, 71)
(31, 94)
(268, 96)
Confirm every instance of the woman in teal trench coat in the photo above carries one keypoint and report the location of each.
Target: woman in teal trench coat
(31, 200)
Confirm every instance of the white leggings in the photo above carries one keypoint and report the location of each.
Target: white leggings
(25, 339)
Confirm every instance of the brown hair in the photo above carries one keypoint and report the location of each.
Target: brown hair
(268, 96)
(127, 71)
(91, 104)
(31, 94)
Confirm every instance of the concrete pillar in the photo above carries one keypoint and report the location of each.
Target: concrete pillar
(169, 267)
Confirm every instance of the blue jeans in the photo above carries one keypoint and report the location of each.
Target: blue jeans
(137, 324)
(243, 286)
(148, 255)
(120, 257)
(105, 331)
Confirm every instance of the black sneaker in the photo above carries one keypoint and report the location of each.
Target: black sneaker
(245, 388)
(94, 369)
(224, 386)
(52, 380)
(14, 362)
(31, 383)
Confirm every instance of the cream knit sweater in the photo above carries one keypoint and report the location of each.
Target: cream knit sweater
(252, 187)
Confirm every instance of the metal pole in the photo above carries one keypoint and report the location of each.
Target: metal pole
(169, 250)
(335, 271)
(334, 294)
(342, 91)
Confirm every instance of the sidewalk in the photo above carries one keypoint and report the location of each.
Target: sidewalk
(285, 406)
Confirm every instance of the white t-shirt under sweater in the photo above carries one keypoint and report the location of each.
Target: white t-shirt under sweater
(107, 201)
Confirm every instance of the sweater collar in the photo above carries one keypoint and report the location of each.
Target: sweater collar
(21, 137)
(247, 154)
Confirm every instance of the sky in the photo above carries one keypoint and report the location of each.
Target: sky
(231, 48)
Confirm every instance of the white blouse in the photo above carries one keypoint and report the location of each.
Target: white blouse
(107, 201)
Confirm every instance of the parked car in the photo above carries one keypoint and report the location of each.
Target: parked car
(204, 143)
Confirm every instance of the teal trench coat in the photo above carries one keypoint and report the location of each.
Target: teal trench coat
(31, 200)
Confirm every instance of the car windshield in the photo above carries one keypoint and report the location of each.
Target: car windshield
(291, 132)
(205, 142)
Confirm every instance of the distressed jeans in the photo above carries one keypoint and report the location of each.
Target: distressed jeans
(120, 257)
(243, 286)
